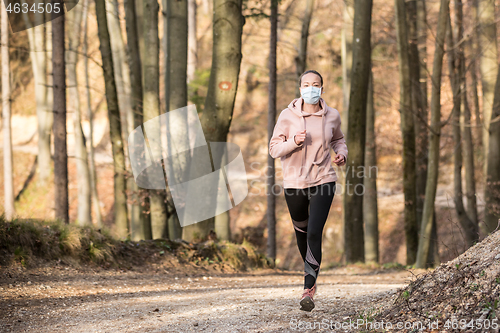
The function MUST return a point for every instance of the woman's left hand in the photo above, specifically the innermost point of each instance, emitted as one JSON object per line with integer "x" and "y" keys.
{"x": 339, "y": 160}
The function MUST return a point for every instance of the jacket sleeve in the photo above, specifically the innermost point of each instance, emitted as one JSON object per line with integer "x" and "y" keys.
{"x": 338, "y": 143}
{"x": 280, "y": 145}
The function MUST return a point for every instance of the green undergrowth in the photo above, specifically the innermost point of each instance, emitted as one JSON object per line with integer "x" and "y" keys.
{"x": 30, "y": 242}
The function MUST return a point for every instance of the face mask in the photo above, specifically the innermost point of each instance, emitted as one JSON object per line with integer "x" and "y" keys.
{"x": 311, "y": 94}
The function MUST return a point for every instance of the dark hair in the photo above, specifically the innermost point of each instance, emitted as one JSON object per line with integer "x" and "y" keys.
{"x": 310, "y": 71}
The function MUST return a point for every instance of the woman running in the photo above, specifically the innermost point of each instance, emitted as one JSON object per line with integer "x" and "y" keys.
{"x": 302, "y": 138}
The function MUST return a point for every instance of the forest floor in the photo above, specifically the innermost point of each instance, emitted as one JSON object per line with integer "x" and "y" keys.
{"x": 63, "y": 298}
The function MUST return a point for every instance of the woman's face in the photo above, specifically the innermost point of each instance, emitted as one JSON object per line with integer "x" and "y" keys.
{"x": 311, "y": 79}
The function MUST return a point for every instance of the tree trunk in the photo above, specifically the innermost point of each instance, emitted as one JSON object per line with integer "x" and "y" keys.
{"x": 177, "y": 58}
{"x": 151, "y": 93}
{"x": 140, "y": 223}
{"x": 474, "y": 54}
{"x": 91, "y": 155}
{"x": 222, "y": 86}
{"x": 115, "y": 131}
{"x": 122, "y": 75}
{"x": 408, "y": 133}
{"x": 346, "y": 45}
{"x": 488, "y": 65}
{"x": 192, "y": 41}
{"x": 435, "y": 133}
{"x": 38, "y": 56}
{"x": 271, "y": 120}
{"x": 356, "y": 133}
{"x": 8, "y": 178}
{"x": 49, "y": 111}
{"x": 492, "y": 192}
{"x": 370, "y": 208}
{"x": 82, "y": 166}
{"x": 456, "y": 74}
{"x": 468, "y": 219}
{"x": 416, "y": 26}
{"x": 301, "y": 58}
{"x": 60, "y": 145}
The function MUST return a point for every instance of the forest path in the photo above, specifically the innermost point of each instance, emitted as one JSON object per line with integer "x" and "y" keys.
{"x": 64, "y": 299}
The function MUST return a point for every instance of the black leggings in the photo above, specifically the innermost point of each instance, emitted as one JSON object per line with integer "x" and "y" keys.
{"x": 309, "y": 208}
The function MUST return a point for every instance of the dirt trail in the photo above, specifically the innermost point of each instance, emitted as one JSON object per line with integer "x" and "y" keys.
{"x": 64, "y": 299}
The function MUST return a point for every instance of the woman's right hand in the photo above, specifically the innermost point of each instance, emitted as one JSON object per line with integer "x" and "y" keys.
{"x": 300, "y": 137}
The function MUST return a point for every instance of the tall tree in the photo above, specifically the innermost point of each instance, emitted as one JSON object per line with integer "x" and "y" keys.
{"x": 60, "y": 144}
{"x": 223, "y": 84}
{"x": 346, "y": 45}
{"x": 370, "y": 208}
{"x": 356, "y": 132}
{"x": 90, "y": 116}
{"x": 455, "y": 70}
{"x": 115, "y": 131}
{"x": 177, "y": 94}
{"x": 465, "y": 124}
{"x": 192, "y": 40}
{"x": 6, "y": 123}
{"x": 271, "y": 120}
{"x": 140, "y": 223}
{"x": 38, "y": 56}
{"x": 121, "y": 69}
{"x": 488, "y": 64}
{"x": 408, "y": 133}
{"x": 435, "y": 133}
{"x": 474, "y": 57}
{"x": 418, "y": 22}
{"x": 151, "y": 100}
{"x": 301, "y": 58}
{"x": 492, "y": 191}
{"x": 74, "y": 23}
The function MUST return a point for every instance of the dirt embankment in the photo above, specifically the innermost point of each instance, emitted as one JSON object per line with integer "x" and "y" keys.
{"x": 462, "y": 295}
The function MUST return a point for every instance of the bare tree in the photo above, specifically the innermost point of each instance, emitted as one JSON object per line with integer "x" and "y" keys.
{"x": 74, "y": 23}
{"x": 219, "y": 104}
{"x": 474, "y": 56}
{"x": 465, "y": 125}
{"x": 151, "y": 100}
{"x": 301, "y": 58}
{"x": 38, "y": 56}
{"x": 488, "y": 66}
{"x": 356, "y": 132}
{"x": 271, "y": 120}
{"x": 408, "y": 133}
{"x": 457, "y": 79}
{"x": 60, "y": 144}
{"x": 176, "y": 93}
{"x": 90, "y": 116}
{"x": 192, "y": 40}
{"x": 121, "y": 69}
{"x": 140, "y": 223}
{"x": 8, "y": 178}
{"x": 347, "y": 30}
{"x": 492, "y": 195}
{"x": 370, "y": 208}
{"x": 435, "y": 132}
{"x": 115, "y": 131}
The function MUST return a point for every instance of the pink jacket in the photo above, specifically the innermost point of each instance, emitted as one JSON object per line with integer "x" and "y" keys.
{"x": 309, "y": 163}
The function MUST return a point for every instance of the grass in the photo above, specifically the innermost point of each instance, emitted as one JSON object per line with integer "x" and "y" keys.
{"x": 24, "y": 242}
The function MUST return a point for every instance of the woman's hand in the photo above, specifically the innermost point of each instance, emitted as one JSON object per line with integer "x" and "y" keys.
{"x": 339, "y": 160}
{"x": 300, "y": 137}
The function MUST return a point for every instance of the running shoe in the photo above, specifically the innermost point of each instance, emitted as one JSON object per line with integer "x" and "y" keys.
{"x": 307, "y": 302}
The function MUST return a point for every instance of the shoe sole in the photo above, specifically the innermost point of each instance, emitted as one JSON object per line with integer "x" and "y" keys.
{"x": 306, "y": 304}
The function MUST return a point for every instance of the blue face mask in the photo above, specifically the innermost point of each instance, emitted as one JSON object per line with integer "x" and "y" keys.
{"x": 311, "y": 94}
